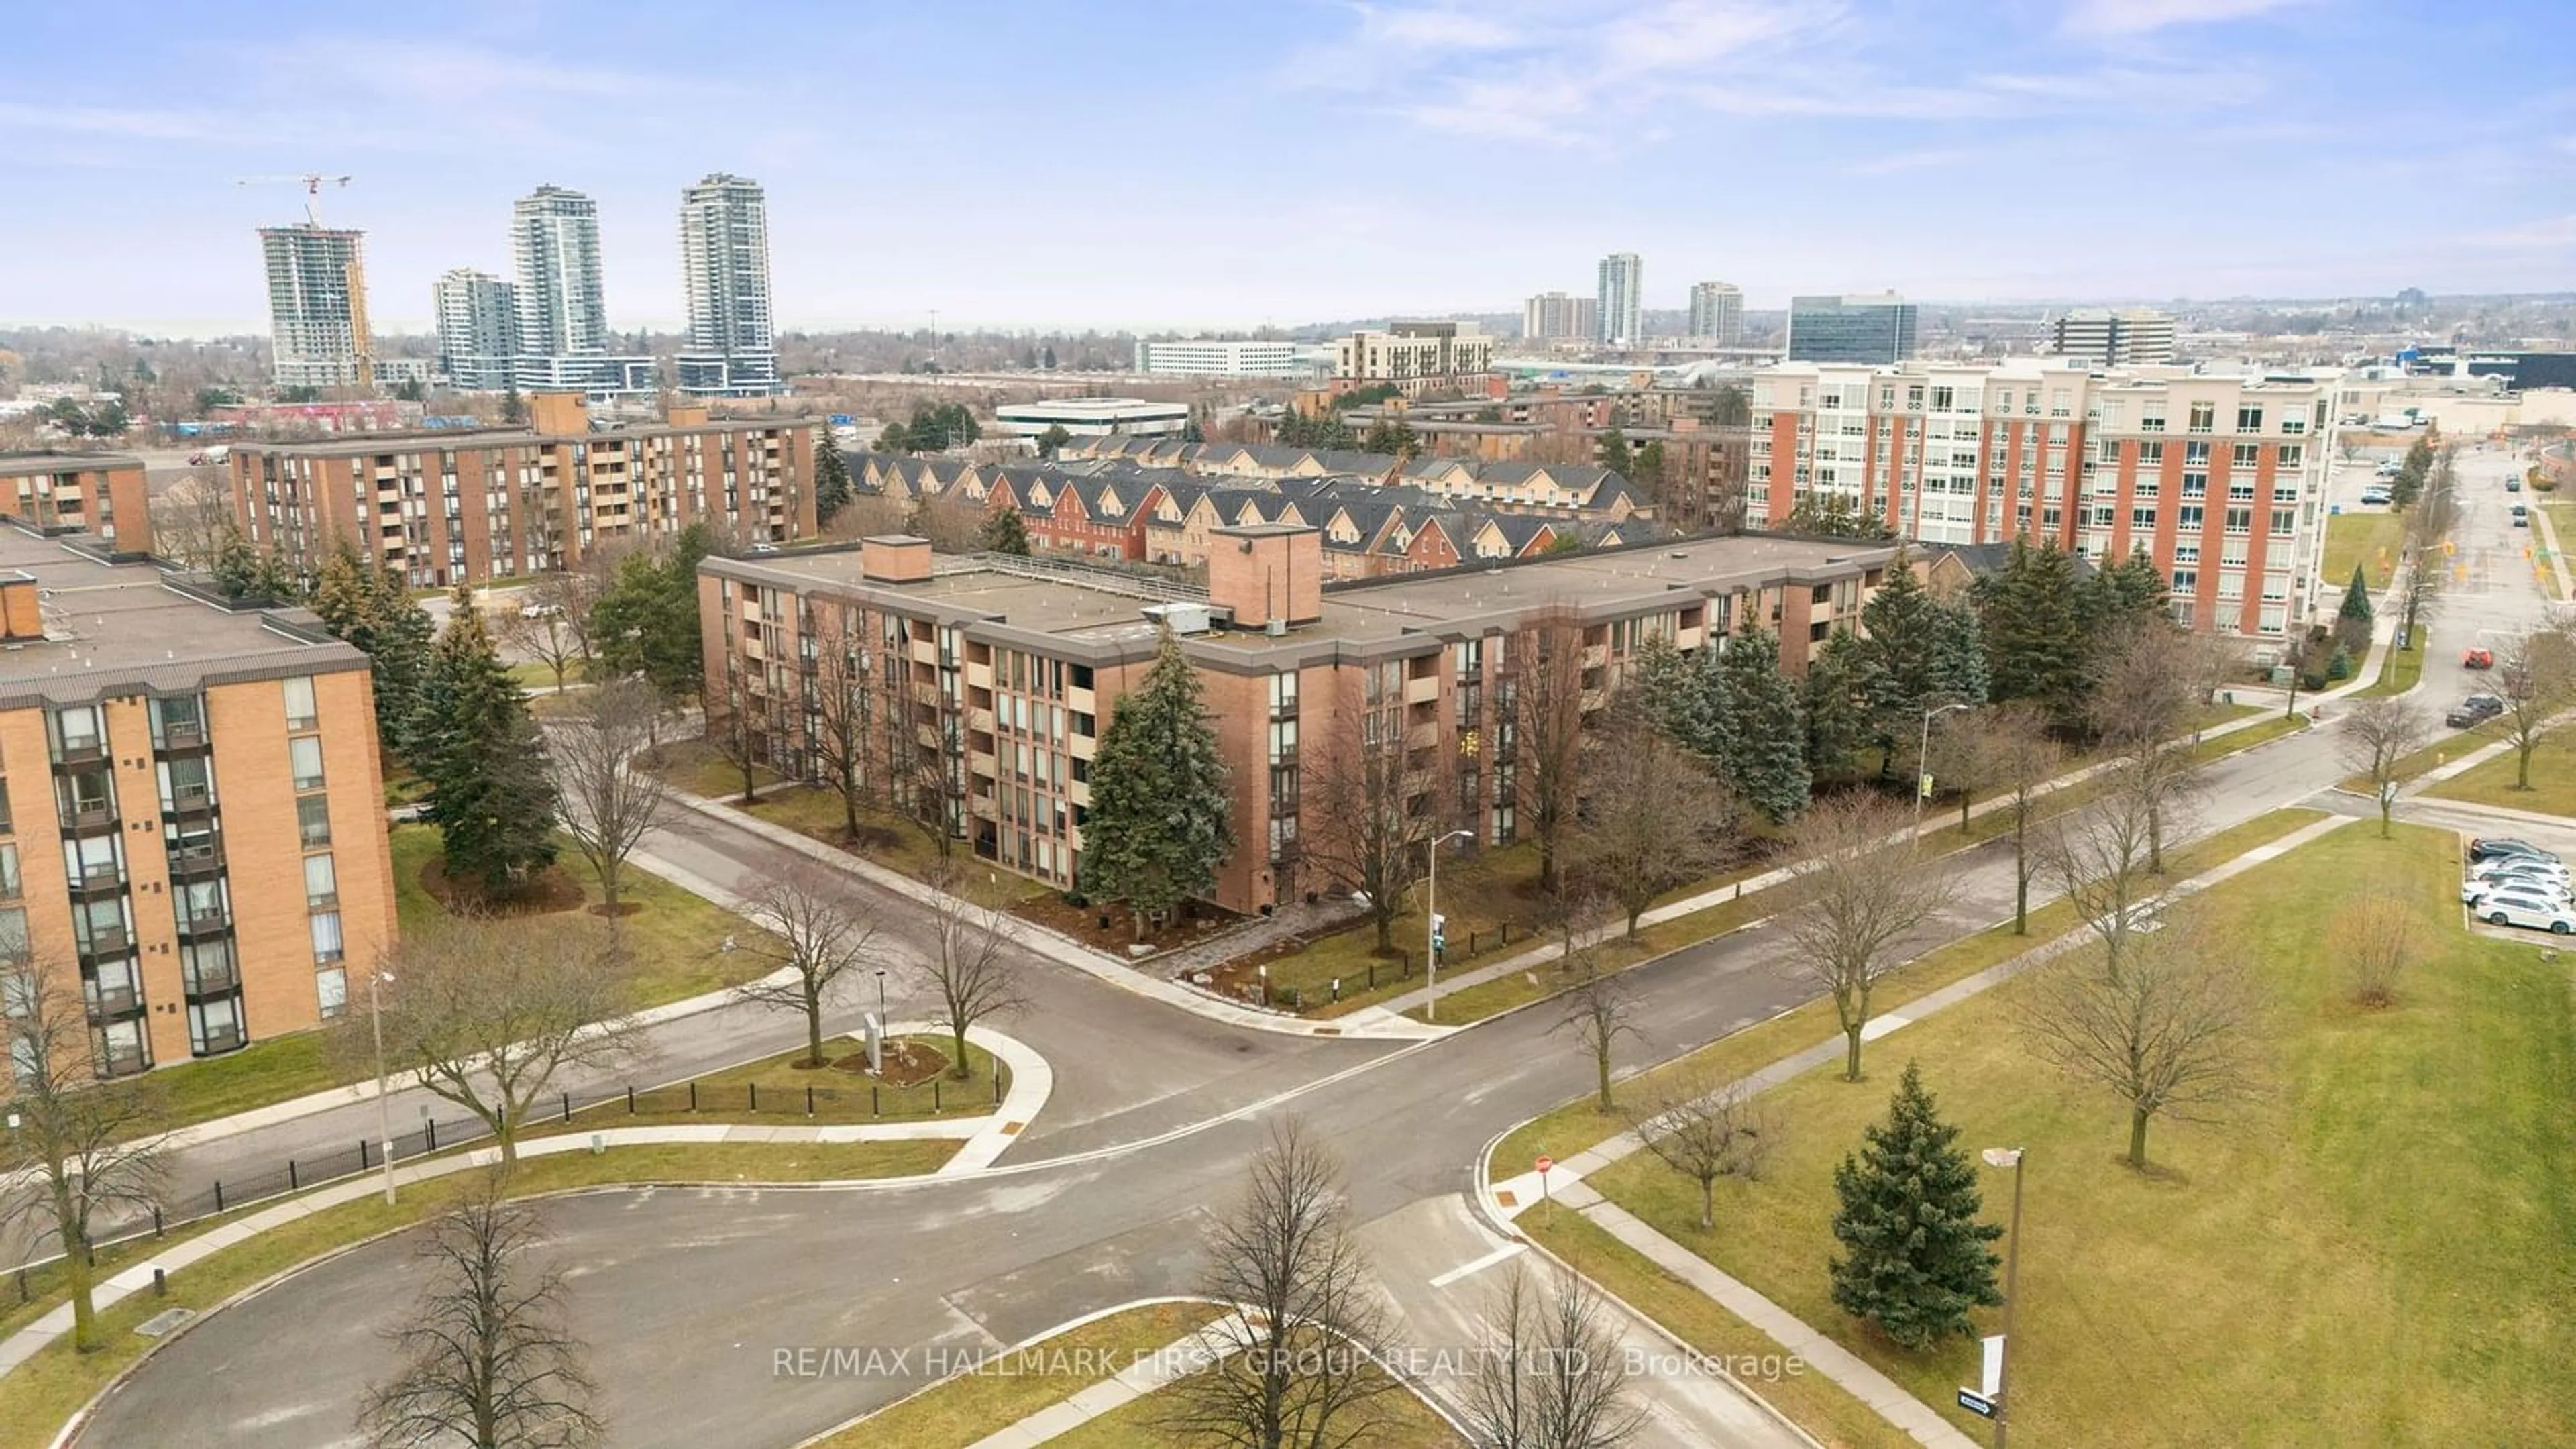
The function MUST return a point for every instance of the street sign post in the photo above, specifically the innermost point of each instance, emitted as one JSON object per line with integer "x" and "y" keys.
{"x": 1976, "y": 1403}
{"x": 1543, "y": 1164}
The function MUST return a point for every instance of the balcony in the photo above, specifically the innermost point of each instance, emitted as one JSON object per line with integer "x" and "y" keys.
{"x": 214, "y": 980}
{"x": 1422, "y": 689}
{"x": 189, "y": 801}
{"x": 217, "y": 1042}
{"x": 99, "y": 878}
{"x": 196, "y": 861}
{"x": 183, "y": 736}
{"x": 111, "y": 1003}
{"x": 81, "y": 752}
{"x": 112, "y": 941}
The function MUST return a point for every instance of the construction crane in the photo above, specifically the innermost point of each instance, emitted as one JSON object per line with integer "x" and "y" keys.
{"x": 311, "y": 181}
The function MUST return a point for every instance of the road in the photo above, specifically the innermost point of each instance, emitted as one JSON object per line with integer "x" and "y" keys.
{"x": 687, "y": 1296}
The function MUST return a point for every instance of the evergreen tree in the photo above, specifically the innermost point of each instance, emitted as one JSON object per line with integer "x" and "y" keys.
{"x": 2356, "y": 598}
{"x": 1613, "y": 453}
{"x": 1915, "y": 1259}
{"x": 1192, "y": 432}
{"x": 1052, "y": 441}
{"x": 1648, "y": 472}
{"x": 401, "y": 634}
{"x": 1961, "y": 664}
{"x": 1684, "y": 695}
{"x": 646, "y": 620}
{"x": 1765, "y": 759}
{"x": 490, "y": 791}
{"x": 344, "y": 598}
{"x": 1003, "y": 531}
{"x": 1838, "y": 706}
{"x": 1159, "y": 801}
{"x": 2121, "y": 595}
{"x": 2032, "y": 627}
{"x": 832, "y": 486}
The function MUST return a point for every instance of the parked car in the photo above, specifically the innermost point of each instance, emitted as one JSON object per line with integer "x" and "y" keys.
{"x": 2521, "y": 517}
{"x": 2375, "y": 497}
{"x": 2542, "y": 879}
{"x": 2530, "y": 865}
{"x": 2474, "y": 710}
{"x": 2488, "y": 847}
{"x": 411, "y": 814}
{"x": 2530, "y": 912}
{"x": 2477, "y": 892}
{"x": 2477, "y": 659}
{"x": 2389, "y": 469}
{"x": 2512, "y": 485}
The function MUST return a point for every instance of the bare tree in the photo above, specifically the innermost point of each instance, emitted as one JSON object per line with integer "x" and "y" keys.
{"x": 84, "y": 1149}
{"x": 1363, "y": 820}
{"x": 2376, "y": 934}
{"x": 1286, "y": 1257}
{"x": 2212, "y": 660}
{"x": 1550, "y": 1371}
{"x": 2027, "y": 757}
{"x": 845, "y": 722}
{"x": 969, "y": 967}
{"x": 487, "y": 1013}
{"x": 569, "y": 594}
{"x": 2536, "y": 678}
{"x": 193, "y": 519}
{"x": 1705, "y": 1129}
{"x": 733, "y": 732}
{"x": 868, "y": 515}
{"x": 1599, "y": 1009}
{"x": 2173, "y": 1028}
{"x": 2142, "y": 703}
{"x": 1968, "y": 756}
{"x": 1541, "y": 696}
{"x": 543, "y": 631}
{"x": 2099, "y": 856}
{"x": 1652, "y": 818}
{"x": 488, "y": 1357}
{"x": 2378, "y": 733}
{"x": 823, "y": 931}
{"x": 610, "y": 800}
{"x": 1860, "y": 887}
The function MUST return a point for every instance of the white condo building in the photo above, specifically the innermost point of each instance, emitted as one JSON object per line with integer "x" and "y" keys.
{"x": 724, "y": 267}
{"x": 564, "y": 339}
{"x": 1199, "y": 358}
{"x": 478, "y": 329}
{"x": 1622, "y": 297}
{"x": 317, "y": 306}
{"x": 1717, "y": 313}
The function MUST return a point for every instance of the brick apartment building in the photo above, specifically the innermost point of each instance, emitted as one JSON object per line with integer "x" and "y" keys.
{"x": 472, "y": 506}
{"x": 191, "y": 806}
{"x": 2221, "y": 479}
{"x": 101, "y": 494}
{"x": 998, "y": 675}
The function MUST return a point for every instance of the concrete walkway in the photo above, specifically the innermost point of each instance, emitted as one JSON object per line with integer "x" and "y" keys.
{"x": 984, "y": 1138}
{"x": 1167, "y": 1365}
{"x": 1508, "y": 1198}
{"x": 2548, "y": 533}
{"x": 1374, "y": 1023}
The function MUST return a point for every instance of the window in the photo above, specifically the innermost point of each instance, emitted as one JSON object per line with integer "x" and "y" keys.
{"x": 2249, "y": 419}
{"x": 2291, "y": 455}
{"x": 2285, "y": 522}
{"x": 2240, "y": 520}
{"x": 8, "y": 872}
{"x": 313, "y": 819}
{"x": 321, "y": 882}
{"x": 77, "y": 729}
{"x": 300, "y": 711}
{"x": 2246, "y": 455}
{"x": 2143, "y": 518}
{"x": 2151, "y": 418}
{"x": 179, "y": 722}
{"x": 2204, "y": 417}
{"x": 304, "y": 754}
{"x": 331, "y": 990}
{"x": 327, "y": 946}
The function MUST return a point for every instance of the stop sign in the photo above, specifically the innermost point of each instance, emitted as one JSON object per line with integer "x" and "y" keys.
{"x": 1544, "y": 1163}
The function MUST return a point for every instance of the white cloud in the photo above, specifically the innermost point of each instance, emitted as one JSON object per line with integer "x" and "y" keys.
{"x": 1438, "y": 28}
{"x": 2140, "y": 17}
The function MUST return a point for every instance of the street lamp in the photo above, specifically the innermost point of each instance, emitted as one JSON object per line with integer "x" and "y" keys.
{"x": 384, "y": 1102}
{"x": 1431, "y": 927}
{"x": 881, "y": 999}
{"x": 1923, "y": 760}
{"x": 2007, "y": 1157}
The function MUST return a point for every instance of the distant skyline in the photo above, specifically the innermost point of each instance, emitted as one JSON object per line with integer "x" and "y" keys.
{"x": 1162, "y": 164}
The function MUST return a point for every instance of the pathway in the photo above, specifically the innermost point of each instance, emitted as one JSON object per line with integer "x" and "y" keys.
{"x": 984, "y": 1138}
{"x": 1507, "y": 1199}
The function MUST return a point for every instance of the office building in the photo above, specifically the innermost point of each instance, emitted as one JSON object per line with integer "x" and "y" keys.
{"x": 100, "y": 494}
{"x": 1002, "y": 673}
{"x": 2220, "y": 479}
{"x": 1415, "y": 357}
{"x": 317, "y": 306}
{"x": 192, "y": 821}
{"x": 1556, "y": 317}
{"x": 2133, "y": 337}
{"x": 564, "y": 339}
{"x": 1876, "y": 329}
{"x": 1202, "y": 358}
{"x": 472, "y": 505}
{"x": 724, "y": 268}
{"x": 478, "y": 329}
{"x": 1091, "y": 417}
{"x": 1621, "y": 297}
{"x": 1717, "y": 313}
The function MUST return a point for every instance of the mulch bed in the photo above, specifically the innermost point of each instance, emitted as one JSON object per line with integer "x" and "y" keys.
{"x": 553, "y": 890}
{"x": 907, "y": 1063}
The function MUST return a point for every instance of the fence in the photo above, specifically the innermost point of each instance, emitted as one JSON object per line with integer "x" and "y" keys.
{"x": 236, "y": 1191}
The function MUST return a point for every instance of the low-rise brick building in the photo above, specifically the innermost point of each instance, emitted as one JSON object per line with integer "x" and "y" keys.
{"x": 101, "y": 494}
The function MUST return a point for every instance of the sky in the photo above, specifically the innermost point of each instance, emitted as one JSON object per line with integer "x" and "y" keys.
{"x": 1232, "y": 163}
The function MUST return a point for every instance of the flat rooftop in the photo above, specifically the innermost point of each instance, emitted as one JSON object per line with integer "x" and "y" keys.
{"x": 1088, "y": 407}
{"x": 119, "y": 629}
{"x": 363, "y": 445}
{"x": 19, "y": 465}
{"x": 1101, "y": 611}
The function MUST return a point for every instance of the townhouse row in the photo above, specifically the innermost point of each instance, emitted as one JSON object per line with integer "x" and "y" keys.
{"x": 986, "y": 682}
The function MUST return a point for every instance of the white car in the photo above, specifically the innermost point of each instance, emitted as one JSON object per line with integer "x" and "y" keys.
{"x": 2530, "y": 912}
{"x": 2475, "y": 890}
{"x": 2540, "y": 870}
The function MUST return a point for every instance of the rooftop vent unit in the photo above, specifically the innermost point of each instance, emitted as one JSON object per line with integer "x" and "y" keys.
{"x": 1181, "y": 619}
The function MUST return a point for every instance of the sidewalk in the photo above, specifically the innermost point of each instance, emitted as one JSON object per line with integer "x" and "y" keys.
{"x": 1373, "y": 1023}
{"x": 1507, "y": 1199}
{"x": 985, "y": 1137}
{"x": 1167, "y": 1365}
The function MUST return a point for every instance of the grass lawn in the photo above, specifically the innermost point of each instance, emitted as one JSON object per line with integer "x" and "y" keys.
{"x": 888, "y": 840}
{"x": 2553, "y": 779}
{"x": 1518, "y": 988}
{"x": 2378, "y": 1254}
{"x": 1578, "y": 1125}
{"x": 839, "y": 1095}
{"x": 278, "y": 1070}
{"x": 49, "y": 1388}
{"x": 676, "y": 939}
{"x": 2448, "y": 745}
{"x": 696, "y": 766}
{"x": 964, "y": 1409}
{"x": 2368, "y": 539}
{"x": 1408, "y": 1423}
{"x": 538, "y": 678}
{"x": 2399, "y": 669}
